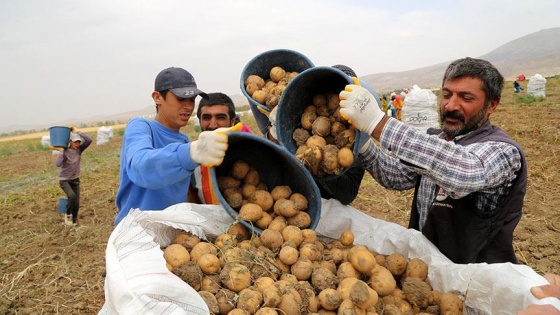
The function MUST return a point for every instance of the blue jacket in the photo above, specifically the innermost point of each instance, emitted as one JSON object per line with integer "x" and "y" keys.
{"x": 156, "y": 167}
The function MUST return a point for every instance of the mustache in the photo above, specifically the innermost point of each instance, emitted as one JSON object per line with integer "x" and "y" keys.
{"x": 453, "y": 114}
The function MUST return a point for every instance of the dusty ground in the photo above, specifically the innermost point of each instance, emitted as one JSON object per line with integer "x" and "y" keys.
{"x": 47, "y": 268}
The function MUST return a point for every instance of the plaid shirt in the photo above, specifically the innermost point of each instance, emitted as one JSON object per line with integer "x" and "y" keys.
{"x": 485, "y": 169}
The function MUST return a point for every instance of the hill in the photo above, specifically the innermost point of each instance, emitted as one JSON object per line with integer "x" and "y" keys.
{"x": 538, "y": 52}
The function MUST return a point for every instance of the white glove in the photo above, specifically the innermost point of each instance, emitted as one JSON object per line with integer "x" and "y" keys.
{"x": 272, "y": 121}
{"x": 211, "y": 146}
{"x": 359, "y": 107}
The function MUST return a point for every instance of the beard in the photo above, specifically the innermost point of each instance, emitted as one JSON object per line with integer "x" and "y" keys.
{"x": 465, "y": 128}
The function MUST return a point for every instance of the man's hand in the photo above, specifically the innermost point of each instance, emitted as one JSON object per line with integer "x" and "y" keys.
{"x": 359, "y": 107}
{"x": 73, "y": 129}
{"x": 211, "y": 146}
{"x": 544, "y": 291}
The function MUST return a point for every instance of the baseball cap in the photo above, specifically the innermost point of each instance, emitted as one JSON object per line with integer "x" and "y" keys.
{"x": 346, "y": 70}
{"x": 75, "y": 137}
{"x": 179, "y": 81}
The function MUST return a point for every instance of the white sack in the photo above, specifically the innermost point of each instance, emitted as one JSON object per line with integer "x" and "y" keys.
{"x": 104, "y": 134}
{"x": 138, "y": 282}
{"x": 536, "y": 85}
{"x": 420, "y": 109}
{"x": 46, "y": 141}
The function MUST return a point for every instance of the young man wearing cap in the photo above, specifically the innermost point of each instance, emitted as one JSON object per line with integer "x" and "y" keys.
{"x": 69, "y": 177}
{"x": 216, "y": 111}
{"x": 157, "y": 159}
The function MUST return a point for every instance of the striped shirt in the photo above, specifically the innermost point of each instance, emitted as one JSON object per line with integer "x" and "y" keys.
{"x": 486, "y": 170}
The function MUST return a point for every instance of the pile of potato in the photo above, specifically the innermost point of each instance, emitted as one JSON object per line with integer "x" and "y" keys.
{"x": 244, "y": 192}
{"x": 287, "y": 270}
{"x": 324, "y": 140}
{"x": 267, "y": 91}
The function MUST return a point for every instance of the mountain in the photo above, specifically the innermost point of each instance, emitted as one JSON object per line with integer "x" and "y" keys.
{"x": 538, "y": 52}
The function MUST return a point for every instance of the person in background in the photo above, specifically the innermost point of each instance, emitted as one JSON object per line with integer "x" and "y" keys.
{"x": 384, "y": 103}
{"x": 549, "y": 290}
{"x": 398, "y": 104}
{"x": 518, "y": 88}
{"x": 470, "y": 177}
{"x": 391, "y": 108}
{"x": 238, "y": 120}
{"x": 157, "y": 159}
{"x": 216, "y": 111}
{"x": 69, "y": 161}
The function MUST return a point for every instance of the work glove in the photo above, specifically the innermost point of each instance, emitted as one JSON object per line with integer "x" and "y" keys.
{"x": 211, "y": 146}
{"x": 73, "y": 129}
{"x": 359, "y": 107}
{"x": 272, "y": 123}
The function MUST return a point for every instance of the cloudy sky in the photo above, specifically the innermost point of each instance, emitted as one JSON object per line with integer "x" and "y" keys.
{"x": 62, "y": 59}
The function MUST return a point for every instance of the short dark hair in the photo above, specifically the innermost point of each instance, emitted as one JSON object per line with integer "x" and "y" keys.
{"x": 217, "y": 98}
{"x": 492, "y": 80}
{"x": 346, "y": 70}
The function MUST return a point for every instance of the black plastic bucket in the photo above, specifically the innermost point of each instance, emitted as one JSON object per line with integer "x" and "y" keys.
{"x": 299, "y": 94}
{"x": 275, "y": 165}
{"x": 261, "y": 65}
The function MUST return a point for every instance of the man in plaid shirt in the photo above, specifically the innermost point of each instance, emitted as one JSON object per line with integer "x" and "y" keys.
{"x": 469, "y": 177}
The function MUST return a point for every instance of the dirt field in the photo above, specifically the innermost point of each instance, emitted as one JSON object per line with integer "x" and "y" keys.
{"x": 48, "y": 268}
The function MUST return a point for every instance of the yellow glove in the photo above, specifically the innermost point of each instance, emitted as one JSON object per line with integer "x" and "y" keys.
{"x": 211, "y": 146}
{"x": 72, "y": 128}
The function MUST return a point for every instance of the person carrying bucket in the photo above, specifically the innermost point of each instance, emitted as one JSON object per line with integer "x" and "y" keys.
{"x": 69, "y": 161}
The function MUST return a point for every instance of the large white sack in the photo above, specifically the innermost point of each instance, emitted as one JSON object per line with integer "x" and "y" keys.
{"x": 104, "y": 134}
{"x": 536, "y": 85}
{"x": 138, "y": 282}
{"x": 420, "y": 109}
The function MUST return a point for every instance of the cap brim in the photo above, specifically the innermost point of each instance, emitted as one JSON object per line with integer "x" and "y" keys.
{"x": 188, "y": 92}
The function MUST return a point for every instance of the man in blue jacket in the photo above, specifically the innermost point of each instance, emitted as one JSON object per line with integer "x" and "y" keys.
{"x": 157, "y": 159}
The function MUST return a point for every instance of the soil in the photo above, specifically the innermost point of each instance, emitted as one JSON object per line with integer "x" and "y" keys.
{"x": 49, "y": 268}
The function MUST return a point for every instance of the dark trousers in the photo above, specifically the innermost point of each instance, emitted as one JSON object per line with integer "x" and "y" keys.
{"x": 72, "y": 190}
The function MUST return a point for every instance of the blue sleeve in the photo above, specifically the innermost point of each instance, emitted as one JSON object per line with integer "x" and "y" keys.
{"x": 150, "y": 162}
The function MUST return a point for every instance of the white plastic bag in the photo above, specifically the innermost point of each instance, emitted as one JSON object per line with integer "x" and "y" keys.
{"x": 138, "y": 282}
{"x": 420, "y": 109}
{"x": 536, "y": 85}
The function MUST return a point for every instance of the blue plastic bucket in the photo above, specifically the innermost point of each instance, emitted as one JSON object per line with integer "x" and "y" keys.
{"x": 275, "y": 165}
{"x": 261, "y": 65}
{"x": 59, "y": 136}
{"x": 62, "y": 201}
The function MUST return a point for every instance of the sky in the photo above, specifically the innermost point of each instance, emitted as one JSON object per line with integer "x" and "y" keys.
{"x": 68, "y": 59}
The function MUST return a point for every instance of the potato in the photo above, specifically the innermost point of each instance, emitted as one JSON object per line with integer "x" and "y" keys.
{"x": 329, "y": 163}
{"x": 345, "y": 139}
{"x": 211, "y": 283}
{"x": 300, "y": 201}
{"x": 417, "y": 292}
{"x": 347, "y": 307}
{"x": 292, "y": 233}
{"x": 417, "y": 268}
{"x": 396, "y": 264}
{"x": 362, "y": 259}
{"x": 302, "y": 268}
{"x": 190, "y": 273}
{"x": 336, "y": 128}
{"x": 282, "y": 191}
{"x": 382, "y": 281}
{"x": 253, "y": 78}
{"x": 264, "y": 221}
{"x": 235, "y": 276}
{"x": 210, "y": 301}
{"x": 266, "y": 311}
{"x": 209, "y": 264}
{"x": 301, "y": 219}
{"x": 309, "y": 236}
{"x": 251, "y": 212}
{"x": 450, "y": 304}
{"x": 176, "y": 255}
{"x": 233, "y": 197}
{"x": 250, "y": 299}
{"x": 271, "y": 239}
{"x": 333, "y": 101}
{"x": 291, "y": 302}
{"x": 278, "y": 224}
{"x": 345, "y": 157}
{"x": 310, "y": 251}
{"x": 347, "y": 238}
{"x": 321, "y": 126}
{"x": 288, "y": 255}
{"x": 323, "y": 278}
{"x": 285, "y": 207}
{"x": 239, "y": 169}
{"x": 300, "y": 136}
{"x": 319, "y": 100}
{"x": 271, "y": 100}
{"x": 262, "y": 198}
{"x": 224, "y": 240}
{"x": 347, "y": 270}
{"x": 240, "y": 232}
{"x": 271, "y": 296}
{"x": 308, "y": 118}
{"x": 262, "y": 283}
{"x": 186, "y": 239}
{"x": 259, "y": 96}
{"x": 252, "y": 177}
{"x": 362, "y": 295}
{"x": 316, "y": 141}
{"x": 238, "y": 311}
{"x": 247, "y": 190}
{"x": 329, "y": 299}
{"x": 202, "y": 248}
{"x": 277, "y": 73}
